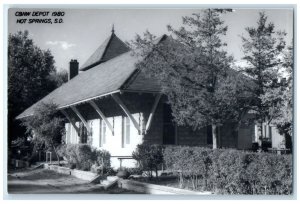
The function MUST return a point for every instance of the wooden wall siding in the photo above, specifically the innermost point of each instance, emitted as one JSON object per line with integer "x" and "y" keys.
{"x": 140, "y": 82}
{"x": 228, "y": 136}
{"x": 187, "y": 136}
{"x": 140, "y": 105}
{"x": 246, "y": 136}
{"x": 155, "y": 133}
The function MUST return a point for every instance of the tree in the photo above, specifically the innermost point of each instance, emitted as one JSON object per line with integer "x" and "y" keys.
{"x": 29, "y": 69}
{"x": 195, "y": 71}
{"x": 263, "y": 49}
{"x": 59, "y": 78}
{"x": 46, "y": 126}
{"x": 279, "y": 99}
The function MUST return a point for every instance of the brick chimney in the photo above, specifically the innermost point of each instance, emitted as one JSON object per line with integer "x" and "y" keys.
{"x": 73, "y": 69}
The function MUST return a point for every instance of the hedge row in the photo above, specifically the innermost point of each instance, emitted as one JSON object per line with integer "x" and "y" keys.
{"x": 227, "y": 171}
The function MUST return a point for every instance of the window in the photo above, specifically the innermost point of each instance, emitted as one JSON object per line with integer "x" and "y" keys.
{"x": 100, "y": 134}
{"x": 125, "y": 131}
{"x": 102, "y": 131}
{"x": 68, "y": 133}
{"x": 127, "y": 127}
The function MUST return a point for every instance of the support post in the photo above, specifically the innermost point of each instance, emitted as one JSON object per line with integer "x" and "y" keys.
{"x": 122, "y": 105}
{"x": 150, "y": 118}
{"x": 94, "y": 105}
{"x": 81, "y": 118}
{"x": 71, "y": 120}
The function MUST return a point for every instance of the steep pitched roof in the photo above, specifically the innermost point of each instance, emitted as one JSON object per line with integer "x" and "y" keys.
{"x": 104, "y": 78}
{"x": 113, "y": 74}
{"x": 109, "y": 49}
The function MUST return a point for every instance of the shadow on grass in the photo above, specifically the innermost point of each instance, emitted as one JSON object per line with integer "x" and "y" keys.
{"x": 66, "y": 189}
{"x": 42, "y": 181}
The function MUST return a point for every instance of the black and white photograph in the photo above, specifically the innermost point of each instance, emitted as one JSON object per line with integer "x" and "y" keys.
{"x": 192, "y": 101}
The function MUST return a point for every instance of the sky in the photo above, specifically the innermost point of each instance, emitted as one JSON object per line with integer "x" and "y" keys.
{"x": 83, "y": 30}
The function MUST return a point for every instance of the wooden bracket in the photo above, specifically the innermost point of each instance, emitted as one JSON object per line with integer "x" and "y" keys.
{"x": 73, "y": 123}
{"x": 81, "y": 118}
{"x": 150, "y": 118}
{"x": 125, "y": 109}
{"x": 94, "y": 105}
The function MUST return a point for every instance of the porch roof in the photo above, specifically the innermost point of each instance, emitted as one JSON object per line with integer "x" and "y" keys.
{"x": 103, "y": 79}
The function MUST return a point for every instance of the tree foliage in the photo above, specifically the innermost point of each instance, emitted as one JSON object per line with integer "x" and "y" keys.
{"x": 279, "y": 99}
{"x": 46, "y": 126}
{"x": 29, "y": 77}
{"x": 264, "y": 52}
{"x": 194, "y": 70}
{"x": 59, "y": 77}
{"x": 149, "y": 157}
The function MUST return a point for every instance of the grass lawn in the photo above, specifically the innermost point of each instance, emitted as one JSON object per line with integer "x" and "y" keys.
{"x": 42, "y": 181}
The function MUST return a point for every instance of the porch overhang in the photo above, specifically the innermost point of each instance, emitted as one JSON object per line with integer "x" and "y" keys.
{"x": 118, "y": 100}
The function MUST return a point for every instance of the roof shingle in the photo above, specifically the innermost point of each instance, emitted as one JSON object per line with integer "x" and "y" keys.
{"x": 109, "y": 49}
{"x": 102, "y": 79}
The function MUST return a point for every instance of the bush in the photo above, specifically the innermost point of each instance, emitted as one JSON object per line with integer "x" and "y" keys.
{"x": 102, "y": 158}
{"x": 132, "y": 171}
{"x": 124, "y": 174}
{"x": 135, "y": 171}
{"x": 270, "y": 174}
{"x": 149, "y": 157}
{"x": 101, "y": 165}
{"x": 192, "y": 163}
{"x": 81, "y": 155}
{"x": 84, "y": 157}
{"x": 228, "y": 171}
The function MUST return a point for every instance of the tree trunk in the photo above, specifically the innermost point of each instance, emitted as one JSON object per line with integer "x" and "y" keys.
{"x": 56, "y": 154}
{"x": 214, "y": 136}
{"x": 260, "y": 138}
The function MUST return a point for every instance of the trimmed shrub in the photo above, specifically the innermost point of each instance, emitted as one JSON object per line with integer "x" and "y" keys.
{"x": 227, "y": 171}
{"x": 135, "y": 171}
{"x": 149, "y": 157}
{"x": 124, "y": 174}
{"x": 132, "y": 171}
{"x": 81, "y": 155}
{"x": 102, "y": 158}
{"x": 192, "y": 163}
{"x": 102, "y": 162}
{"x": 84, "y": 157}
{"x": 269, "y": 174}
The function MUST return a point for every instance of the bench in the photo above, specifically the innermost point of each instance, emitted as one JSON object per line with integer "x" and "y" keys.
{"x": 121, "y": 158}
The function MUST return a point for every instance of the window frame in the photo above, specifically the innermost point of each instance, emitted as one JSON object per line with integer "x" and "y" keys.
{"x": 126, "y": 129}
{"x": 102, "y": 133}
